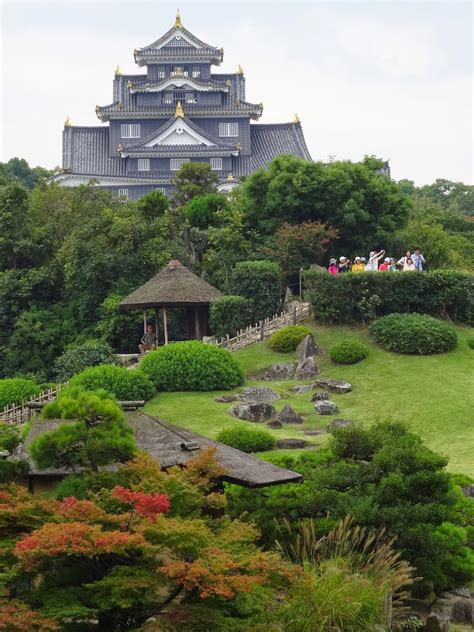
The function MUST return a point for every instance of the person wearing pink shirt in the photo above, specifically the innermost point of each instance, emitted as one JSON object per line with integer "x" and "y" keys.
{"x": 333, "y": 269}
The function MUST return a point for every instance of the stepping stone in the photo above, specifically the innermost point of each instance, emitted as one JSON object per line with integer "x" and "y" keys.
{"x": 338, "y": 423}
{"x": 291, "y": 443}
{"x": 304, "y": 388}
{"x": 306, "y": 369}
{"x": 255, "y": 411}
{"x": 280, "y": 371}
{"x": 307, "y": 348}
{"x": 258, "y": 394}
{"x": 226, "y": 399}
{"x": 275, "y": 424}
{"x": 336, "y": 386}
{"x": 313, "y": 432}
{"x": 320, "y": 397}
{"x": 326, "y": 407}
{"x": 288, "y": 416}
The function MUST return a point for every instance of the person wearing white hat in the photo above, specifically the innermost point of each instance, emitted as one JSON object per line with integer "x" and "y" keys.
{"x": 373, "y": 262}
{"x": 358, "y": 265}
{"x": 343, "y": 264}
{"x": 383, "y": 267}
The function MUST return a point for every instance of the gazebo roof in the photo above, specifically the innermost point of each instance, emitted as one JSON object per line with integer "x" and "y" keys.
{"x": 170, "y": 445}
{"x": 174, "y": 286}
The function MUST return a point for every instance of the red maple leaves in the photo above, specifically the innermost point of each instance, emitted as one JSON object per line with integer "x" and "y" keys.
{"x": 146, "y": 505}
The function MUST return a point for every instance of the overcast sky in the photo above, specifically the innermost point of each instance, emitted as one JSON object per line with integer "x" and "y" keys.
{"x": 386, "y": 78}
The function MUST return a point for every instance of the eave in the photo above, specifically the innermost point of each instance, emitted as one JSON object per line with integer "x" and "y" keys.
{"x": 116, "y": 111}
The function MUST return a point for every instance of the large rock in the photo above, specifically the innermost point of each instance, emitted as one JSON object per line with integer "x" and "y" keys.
{"x": 226, "y": 399}
{"x": 468, "y": 490}
{"x": 280, "y": 371}
{"x": 258, "y": 394}
{"x": 307, "y": 348}
{"x": 437, "y": 622}
{"x": 288, "y": 416}
{"x": 306, "y": 369}
{"x": 291, "y": 443}
{"x": 320, "y": 397}
{"x": 336, "y": 386}
{"x": 273, "y": 423}
{"x": 254, "y": 411}
{"x": 313, "y": 432}
{"x": 338, "y": 423}
{"x": 326, "y": 407}
{"x": 458, "y": 604}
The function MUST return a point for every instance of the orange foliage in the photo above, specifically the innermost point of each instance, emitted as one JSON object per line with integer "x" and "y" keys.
{"x": 16, "y": 617}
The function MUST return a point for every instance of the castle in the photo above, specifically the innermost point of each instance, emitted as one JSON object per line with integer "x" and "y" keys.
{"x": 179, "y": 111}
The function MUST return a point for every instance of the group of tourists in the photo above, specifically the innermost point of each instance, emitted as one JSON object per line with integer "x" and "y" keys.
{"x": 410, "y": 261}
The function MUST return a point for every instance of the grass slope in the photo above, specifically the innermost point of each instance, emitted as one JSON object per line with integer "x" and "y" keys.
{"x": 434, "y": 394}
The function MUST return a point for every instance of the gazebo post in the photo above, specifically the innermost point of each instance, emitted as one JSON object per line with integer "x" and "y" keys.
{"x": 144, "y": 321}
{"x": 197, "y": 324}
{"x": 157, "y": 330}
{"x": 165, "y": 324}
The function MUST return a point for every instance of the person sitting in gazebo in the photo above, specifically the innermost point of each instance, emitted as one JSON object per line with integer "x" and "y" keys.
{"x": 149, "y": 340}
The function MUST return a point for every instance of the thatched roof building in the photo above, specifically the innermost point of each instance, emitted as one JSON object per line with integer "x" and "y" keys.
{"x": 176, "y": 286}
{"x": 168, "y": 445}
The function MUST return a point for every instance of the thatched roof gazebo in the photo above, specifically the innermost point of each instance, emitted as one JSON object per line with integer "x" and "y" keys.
{"x": 175, "y": 286}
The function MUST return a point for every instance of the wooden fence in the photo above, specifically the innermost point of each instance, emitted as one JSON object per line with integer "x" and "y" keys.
{"x": 265, "y": 328}
{"x": 21, "y": 412}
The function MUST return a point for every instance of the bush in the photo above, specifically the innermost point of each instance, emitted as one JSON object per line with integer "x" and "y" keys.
{"x": 347, "y": 298}
{"x": 413, "y": 334}
{"x": 470, "y": 343}
{"x": 124, "y": 384}
{"x": 228, "y": 314}
{"x": 288, "y": 338}
{"x": 15, "y": 390}
{"x": 192, "y": 366}
{"x": 261, "y": 282}
{"x": 247, "y": 439}
{"x": 75, "y": 360}
{"x": 348, "y": 352}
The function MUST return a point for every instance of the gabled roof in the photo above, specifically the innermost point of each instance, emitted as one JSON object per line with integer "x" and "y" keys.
{"x": 207, "y": 138}
{"x": 170, "y": 445}
{"x": 198, "y": 84}
{"x": 174, "y": 286}
{"x": 184, "y": 44}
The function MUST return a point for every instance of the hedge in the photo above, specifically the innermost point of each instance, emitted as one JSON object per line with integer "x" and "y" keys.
{"x": 81, "y": 357}
{"x": 288, "y": 338}
{"x": 16, "y": 389}
{"x": 247, "y": 439}
{"x": 192, "y": 366}
{"x": 261, "y": 282}
{"x": 347, "y": 298}
{"x": 123, "y": 383}
{"x": 228, "y": 314}
{"x": 413, "y": 334}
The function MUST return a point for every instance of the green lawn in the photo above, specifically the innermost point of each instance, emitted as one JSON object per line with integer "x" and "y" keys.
{"x": 434, "y": 394}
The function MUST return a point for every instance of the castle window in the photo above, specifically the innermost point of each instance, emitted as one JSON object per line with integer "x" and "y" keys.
{"x": 168, "y": 97}
{"x": 228, "y": 129}
{"x": 216, "y": 164}
{"x": 161, "y": 190}
{"x": 196, "y": 72}
{"x": 123, "y": 195}
{"x": 128, "y": 130}
{"x": 143, "y": 164}
{"x": 191, "y": 97}
{"x": 177, "y": 163}
{"x": 161, "y": 74}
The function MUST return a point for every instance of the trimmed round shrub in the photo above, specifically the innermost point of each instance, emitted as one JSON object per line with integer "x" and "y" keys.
{"x": 124, "y": 384}
{"x": 192, "y": 366}
{"x": 470, "y": 343}
{"x": 288, "y": 338}
{"x": 413, "y": 334}
{"x": 14, "y": 390}
{"x": 247, "y": 439}
{"x": 348, "y": 352}
{"x": 75, "y": 360}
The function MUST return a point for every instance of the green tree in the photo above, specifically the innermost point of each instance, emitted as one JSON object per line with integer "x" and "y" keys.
{"x": 15, "y": 228}
{"x": 261, "y": 283}
{"x": 152, "y": 205}
{"x": 97, "y": 436}
{"x": 206, "y": 210}
{"x": 194, "y": 179}
{"x": 18, "y": 170}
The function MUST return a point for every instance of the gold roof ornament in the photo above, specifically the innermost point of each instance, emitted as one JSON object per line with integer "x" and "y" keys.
{"x": 296, "y": 119}
{"x": 240, "y": 70}
{"x": 179, "y": 72}
{"x": 177, "y": 21}
{"x": 228, "y": 82}
{"x": 230, "y": 176}
{"x": 97, "y": 108}
{"x": 67, "y": 122}
{"x": 119, "y": 147}
{"x": 129, "y": 84}
{"x": 179, "y": 113}
{"x": 118, "y": 72}
{"x": 239, "y": 146}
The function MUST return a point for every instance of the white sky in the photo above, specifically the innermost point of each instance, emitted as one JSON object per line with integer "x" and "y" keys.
{"x": 392, "y": 79}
